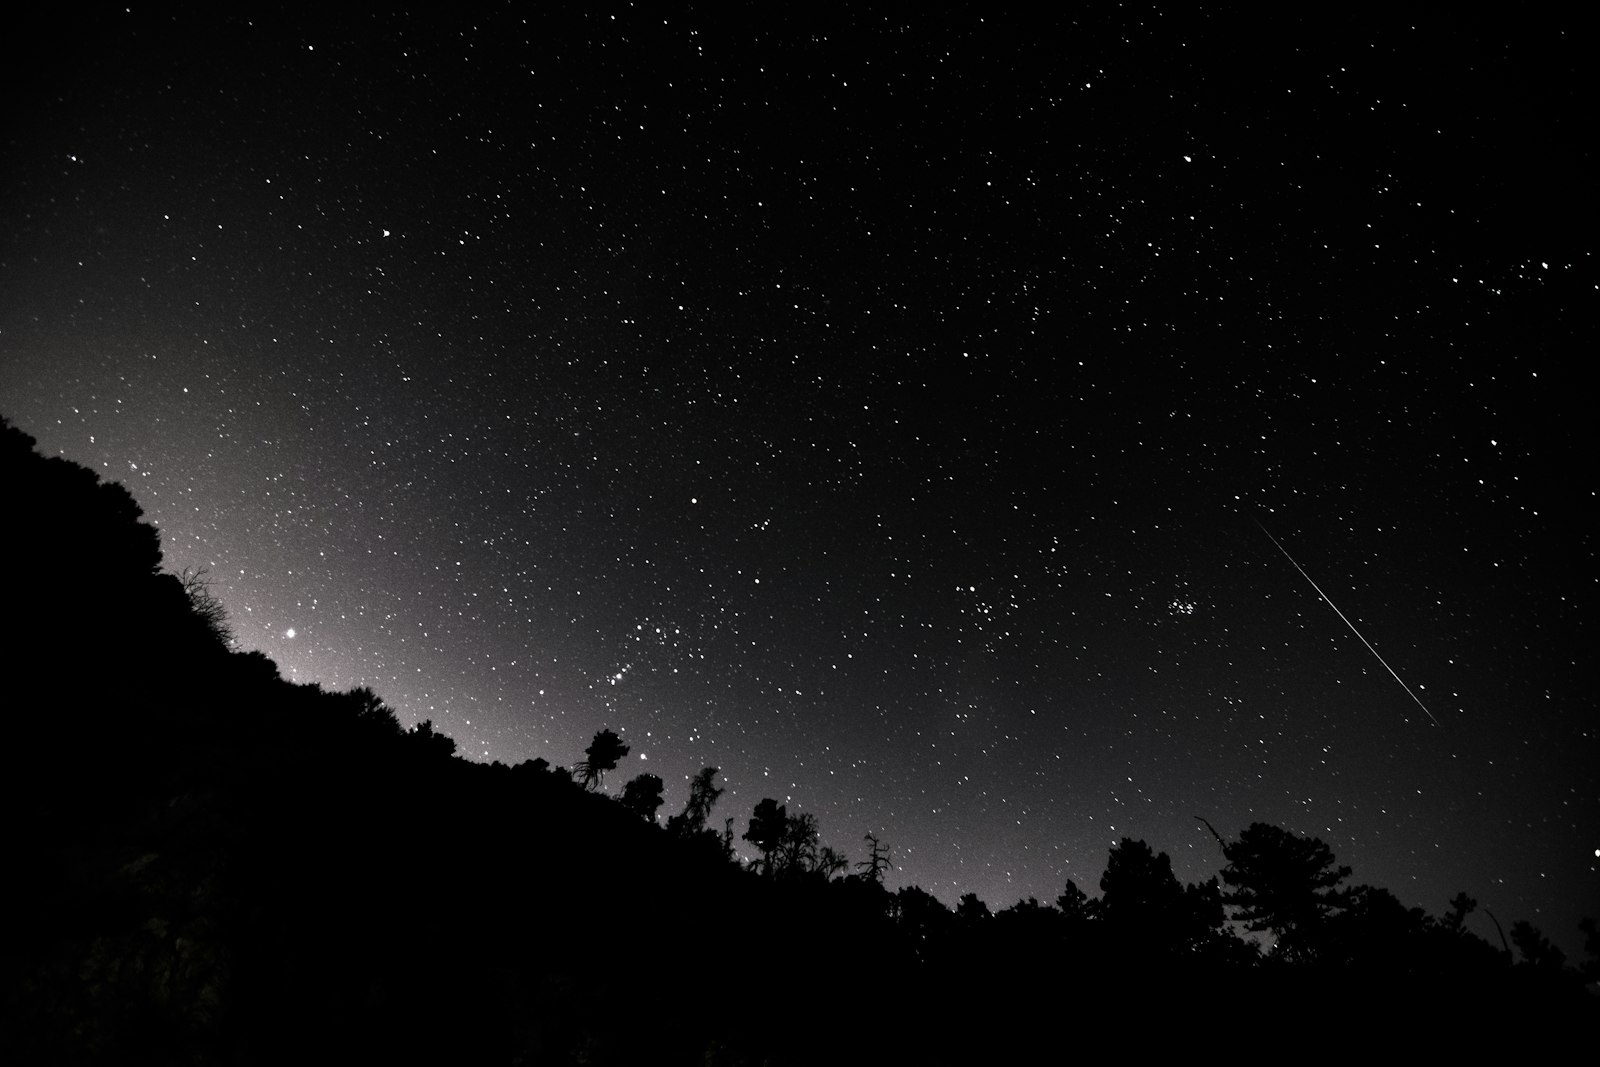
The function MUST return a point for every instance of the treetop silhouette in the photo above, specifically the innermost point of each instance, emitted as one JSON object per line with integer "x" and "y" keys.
{"x": 603, "y": 754}
{"x": 703, "y": 796}
{"x": 1282, "y": 883}
{"x": 642, "y": 796}
{"x": 768, "y": 826}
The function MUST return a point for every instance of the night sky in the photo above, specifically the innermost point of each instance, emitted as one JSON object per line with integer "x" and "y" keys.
{"x": 894, "y": 413}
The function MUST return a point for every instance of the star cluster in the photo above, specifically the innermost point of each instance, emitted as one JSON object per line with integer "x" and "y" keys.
{"x": 879, "y": 409}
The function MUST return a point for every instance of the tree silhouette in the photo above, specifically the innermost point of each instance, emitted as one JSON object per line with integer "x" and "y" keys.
{"x": 431, "y": 741}
{"x": 971, "y": 908}
{"x": 1138, "y": 886}
{"x": 205, "y": 605}
{"x": 642, "y": 796}
{"x": 371, "y": 711}
{"x": 703, "y": 796}
{"x": 1283, "y": 883}
{"x": 1375, "y": 931}
{"x": 790, "y": 845}
{"x": 768, "y": 826}
{"x": 1537, "y": 950}
{"x": 1149, "y": 910}
{"x": 603, "y": 753}
{"x": 1076, "y": 905}
{"x": 798, "y": 850}
{"x": 921, "y": 918}
{"x": 830, "y": 861}
{"x": 1590, "y": 967}
{"x": 1461, "y": 906}
{"x": 877, "y": 861}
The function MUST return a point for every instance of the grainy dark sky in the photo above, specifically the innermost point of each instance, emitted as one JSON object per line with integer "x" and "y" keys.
{"x": 881, "y": 409}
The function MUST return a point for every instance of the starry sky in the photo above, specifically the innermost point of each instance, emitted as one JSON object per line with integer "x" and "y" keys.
{"x": 895, "y": 411}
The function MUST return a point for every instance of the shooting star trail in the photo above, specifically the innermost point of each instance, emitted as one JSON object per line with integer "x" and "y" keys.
{"x": 1350, "y": 624}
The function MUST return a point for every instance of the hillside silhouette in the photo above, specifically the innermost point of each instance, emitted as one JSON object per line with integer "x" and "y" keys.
{"x": 210, "y": 864}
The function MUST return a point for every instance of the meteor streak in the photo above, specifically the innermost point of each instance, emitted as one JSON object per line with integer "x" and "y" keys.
{"x": 1348, "y": 623}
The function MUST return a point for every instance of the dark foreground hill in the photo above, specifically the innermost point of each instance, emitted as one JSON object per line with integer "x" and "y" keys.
{"x": 207, "y": 864}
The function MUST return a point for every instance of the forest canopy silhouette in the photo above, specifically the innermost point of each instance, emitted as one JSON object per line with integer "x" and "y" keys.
{"x": 213, "y": 864}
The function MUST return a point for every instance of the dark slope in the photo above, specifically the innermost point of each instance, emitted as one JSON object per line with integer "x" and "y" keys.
{"x": 210, "y": 864}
